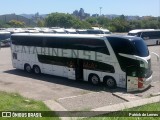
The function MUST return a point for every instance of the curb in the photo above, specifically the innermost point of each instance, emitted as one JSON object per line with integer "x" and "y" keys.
{"x": 106, "y": 109}
{"x": 136, "y": 103}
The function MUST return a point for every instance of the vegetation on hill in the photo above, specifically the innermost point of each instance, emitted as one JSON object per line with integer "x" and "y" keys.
{"x": 118, "y": 24}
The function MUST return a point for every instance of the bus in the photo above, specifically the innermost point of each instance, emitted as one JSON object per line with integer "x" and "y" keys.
{"x": 150, "y": 36}
{"x": 5, "y": 39}
{"x": 116, "y": 61}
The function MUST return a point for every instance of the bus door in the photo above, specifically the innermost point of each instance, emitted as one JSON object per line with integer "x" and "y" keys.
{"x": 79, "y": 69}
{"x": 132, "y": 79}
{"x": 75, "y": 69}
{"x": 71, "y": 70}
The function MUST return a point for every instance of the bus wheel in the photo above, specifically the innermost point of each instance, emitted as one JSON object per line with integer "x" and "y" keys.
{"x": 28, "y": 68}
{"x": 94, "y": 79}
{"x": 157, "y": 43}
{"x": 36, "y": 69}
{"x": 110, "y": 82}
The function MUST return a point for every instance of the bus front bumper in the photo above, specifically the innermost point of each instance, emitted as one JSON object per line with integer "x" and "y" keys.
{"x": 146, "y": 83}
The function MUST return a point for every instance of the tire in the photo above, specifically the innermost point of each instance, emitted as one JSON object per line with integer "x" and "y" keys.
{"x": 28, "y": 68}
{"x": 157, "y": 43}
{"x": 110, "y": 82}
{"x": 36, "y": 69}
{"x": 94, "y": 79}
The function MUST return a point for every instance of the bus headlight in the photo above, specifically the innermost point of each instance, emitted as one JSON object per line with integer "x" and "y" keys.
{"x": 133, "y": 74}
{"x": 142, "y": 64}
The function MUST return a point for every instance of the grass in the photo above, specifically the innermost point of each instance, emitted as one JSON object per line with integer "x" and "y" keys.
{"x": 15, "y": 102}
{"x": 148, "y": 107}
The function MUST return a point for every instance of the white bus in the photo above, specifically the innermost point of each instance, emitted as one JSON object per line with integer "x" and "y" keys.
{"x": 114, "y": 60}
{"x": 150, "y": 36}
{"x": 5, "y": 39}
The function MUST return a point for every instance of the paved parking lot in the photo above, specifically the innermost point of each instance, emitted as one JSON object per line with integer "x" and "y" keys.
{"x": 72, "y": 95}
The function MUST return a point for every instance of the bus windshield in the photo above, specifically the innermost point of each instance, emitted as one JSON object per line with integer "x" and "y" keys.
{"x": 141, "y": 48}
{"x": 4, "y": 36}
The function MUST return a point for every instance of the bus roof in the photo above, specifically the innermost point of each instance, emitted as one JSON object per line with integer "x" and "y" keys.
{"x": 140, "y": 30}
{"x": 60, "y": 35}
{"x": 76, "y": 35}
{"x": 4, "y": 32}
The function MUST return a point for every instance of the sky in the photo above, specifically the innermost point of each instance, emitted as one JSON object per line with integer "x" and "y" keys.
{"x": 119, "y": 7}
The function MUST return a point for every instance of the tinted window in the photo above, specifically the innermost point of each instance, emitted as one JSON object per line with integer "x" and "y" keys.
{"x": 27, "y": 40}
{"x": 98, "y": 66}
{"x": 87, "y": 64}
{"x": 135, "y": 34}
{"x": 151, "y": 35}
{"x": 77, "y": 43}
{"x": 4, "y": 36}
{"x": 121, "y": 45}
{"x": 65, "y": 43}
{"x": 95, "y": 32}
{"x": 53, "y": 60}
{"x": 141, "y": 48}
{"x": 82, "y": 32}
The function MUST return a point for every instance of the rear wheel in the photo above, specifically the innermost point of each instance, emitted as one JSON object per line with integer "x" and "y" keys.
{"x": 94, "y": 79}
{"x": 157, "y": 43}
{"x": 36, "y": 69}
{"x": 28, "y": 68}
{"x": 110, "y": 82}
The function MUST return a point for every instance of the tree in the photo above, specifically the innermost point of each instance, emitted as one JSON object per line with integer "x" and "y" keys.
{"x": 64, "y": 20}
{"x": 15, "y": 23}
{"x": 40, "y": 23}
{"x": 92, "y": 20}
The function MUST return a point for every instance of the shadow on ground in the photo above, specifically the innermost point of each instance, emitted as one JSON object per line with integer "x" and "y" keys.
{"x": 72, "y": 83}
{"x": 61, "y": 81}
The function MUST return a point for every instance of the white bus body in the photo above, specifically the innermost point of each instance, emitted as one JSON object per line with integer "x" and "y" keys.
{"x": 150, "y": 36}
{"x": 84, "y": 57}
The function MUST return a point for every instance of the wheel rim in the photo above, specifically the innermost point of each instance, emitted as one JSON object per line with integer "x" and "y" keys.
{"x": 28, "y": 68}
{"x": 110, "y": 82}
{"x": 36, "y": 70}
{"x": 95, "y": 80}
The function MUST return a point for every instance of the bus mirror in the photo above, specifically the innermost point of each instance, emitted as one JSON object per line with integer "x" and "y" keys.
{"x": 156, "y": 55}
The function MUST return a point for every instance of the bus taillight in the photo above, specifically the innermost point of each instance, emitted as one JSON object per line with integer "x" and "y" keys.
{"x": 140, "y": 82}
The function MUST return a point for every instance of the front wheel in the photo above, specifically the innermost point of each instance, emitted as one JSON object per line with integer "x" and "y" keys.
{"x": 110, "y": 82}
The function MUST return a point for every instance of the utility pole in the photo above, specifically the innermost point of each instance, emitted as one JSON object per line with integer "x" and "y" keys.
{"x": 159, "y": 16}
{"x": 100, "y": 8}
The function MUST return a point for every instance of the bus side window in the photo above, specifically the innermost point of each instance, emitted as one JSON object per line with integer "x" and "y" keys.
{"x": 146, "y": 35}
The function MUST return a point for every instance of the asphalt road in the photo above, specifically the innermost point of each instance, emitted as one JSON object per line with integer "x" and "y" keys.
{"x": 73, "y": 95}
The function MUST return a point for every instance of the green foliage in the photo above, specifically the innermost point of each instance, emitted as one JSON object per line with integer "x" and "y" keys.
{"x": 121, "y": 24}
{"x": 15, "y": 23}
{"x": 118, "y": 24}
{"x": 65, "y": 21}
{"x": 40, "y": 23}
{"x": 15, "y": 102}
